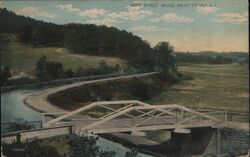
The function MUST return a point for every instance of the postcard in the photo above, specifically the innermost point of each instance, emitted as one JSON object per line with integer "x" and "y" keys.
{"x": 132, "y": 78}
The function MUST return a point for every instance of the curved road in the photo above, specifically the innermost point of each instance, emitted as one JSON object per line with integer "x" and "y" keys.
{"x": 38, "y": 100}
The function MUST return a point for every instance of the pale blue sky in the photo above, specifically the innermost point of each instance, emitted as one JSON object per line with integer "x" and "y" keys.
{"x": 219, "y": 25}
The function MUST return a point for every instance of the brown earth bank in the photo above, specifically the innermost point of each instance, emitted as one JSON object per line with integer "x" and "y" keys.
{"x": 130, "y": 89}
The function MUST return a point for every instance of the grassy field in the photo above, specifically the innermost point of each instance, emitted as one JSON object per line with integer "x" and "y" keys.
{"x": 22, "y": 58}
{"x": 220, "y": 87}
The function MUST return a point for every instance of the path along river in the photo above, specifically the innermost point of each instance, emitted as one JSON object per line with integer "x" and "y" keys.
{"x": 12, "y": 107}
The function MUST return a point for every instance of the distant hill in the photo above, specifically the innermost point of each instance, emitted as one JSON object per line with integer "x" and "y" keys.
{"x": 212, "y": 57}
{"x": 79, "y": 38}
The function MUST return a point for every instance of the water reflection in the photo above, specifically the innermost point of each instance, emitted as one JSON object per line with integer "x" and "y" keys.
{"x": 13, "y": 107}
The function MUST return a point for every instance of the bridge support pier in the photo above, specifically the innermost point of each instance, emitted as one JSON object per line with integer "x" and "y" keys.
{"x": 218, "y": 142}
{"x": 71, "y": 129}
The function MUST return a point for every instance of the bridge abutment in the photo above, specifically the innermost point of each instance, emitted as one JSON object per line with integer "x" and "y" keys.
{"x": 211, "y": 142}
{"x": 227, "y": 142}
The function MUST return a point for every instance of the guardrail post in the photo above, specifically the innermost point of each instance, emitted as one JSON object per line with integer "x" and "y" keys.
{"x": 18, "y": 138}
{"x": 218, "y": 142}
{"x": 182, "y": 113}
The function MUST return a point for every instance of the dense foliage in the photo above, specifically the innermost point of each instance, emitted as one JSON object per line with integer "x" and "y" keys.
{"x": 165, "y": 61}
{"x": 49, "y": 70}
{"x": 84, "y": 146}
{"x": 80, "y": 38}
{"x": 20, "y": 124}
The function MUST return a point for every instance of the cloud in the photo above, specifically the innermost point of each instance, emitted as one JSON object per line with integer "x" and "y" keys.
{"x": 35, "y": 12}
{"x": 93, "y": 13}
{"x": 133, "y": 13}
{"x": 232, "y": 18}
{"x": 172, "y": 17}
{"x": 206, "y": 10}
{"x": 1, "y": 4}
{"x": 105, "y": 21}
{"x": 68, "y": 8}
{"x": 142, "y": 28}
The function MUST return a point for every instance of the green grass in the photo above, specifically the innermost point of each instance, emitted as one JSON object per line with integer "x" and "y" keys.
{"x": 221, "y": 87}
{"x": 22, "y": 58}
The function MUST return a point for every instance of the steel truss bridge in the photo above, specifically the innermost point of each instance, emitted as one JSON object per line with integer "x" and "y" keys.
{"x": 130, "y": 116}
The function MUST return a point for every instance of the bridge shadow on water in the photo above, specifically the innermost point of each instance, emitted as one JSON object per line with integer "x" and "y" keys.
{"x": 179, "y": 145}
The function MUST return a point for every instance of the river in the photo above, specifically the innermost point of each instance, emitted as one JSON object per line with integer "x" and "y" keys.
{"x": 12, "y": 107}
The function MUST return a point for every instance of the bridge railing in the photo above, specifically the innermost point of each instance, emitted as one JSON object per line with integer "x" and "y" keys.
{"x": 7, "y": 126}
{"x": 29, "y": 135}
{"x": 227, "y": 115}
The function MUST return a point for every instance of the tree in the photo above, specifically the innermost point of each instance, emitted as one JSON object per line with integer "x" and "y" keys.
{"x": 80, "y": 72}
{"x": 4, "y": 43}
{"x": 164, "y": 57}
{"x": 5, "y": 75}
{"x": 47, "y": 70}
{"x": 26, "y": 34}
{"x": 54, "y": 70}
{"x": 117, "y": 67}
{"x": 84, "y": 146}
{"x": 41, "y": 67}
{"x": 34, "y": 149}
{"x": 103, "y": 67}
{"x": 69, "y": 73}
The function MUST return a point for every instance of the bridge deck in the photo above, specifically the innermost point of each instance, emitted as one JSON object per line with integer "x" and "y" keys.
{"x": 126, "y": 125}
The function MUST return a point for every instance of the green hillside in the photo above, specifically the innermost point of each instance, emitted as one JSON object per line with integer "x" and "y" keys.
{"x": 23, "y": 57}
{"x": 87, "y": 39}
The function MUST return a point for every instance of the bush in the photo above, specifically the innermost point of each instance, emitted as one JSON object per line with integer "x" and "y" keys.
{"x": 85, "y": 146}
{"x": 133, "y": 153}
{"x": 33, "y": 149}
{"x": 69, "y": 73}
{"x": 102, "y": 69}
{"x": 36, "y": 150}
{"x": 49, "y": 70}
{"x": 20, "y": 124}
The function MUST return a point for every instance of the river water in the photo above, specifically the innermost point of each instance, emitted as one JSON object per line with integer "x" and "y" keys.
{"x": 12, "y": 107}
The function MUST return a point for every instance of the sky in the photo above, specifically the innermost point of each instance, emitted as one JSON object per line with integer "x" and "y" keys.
{"x": 188, "y": 25}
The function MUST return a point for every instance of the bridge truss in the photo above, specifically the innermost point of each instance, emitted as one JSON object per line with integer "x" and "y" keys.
{"x": 130, "y": 116}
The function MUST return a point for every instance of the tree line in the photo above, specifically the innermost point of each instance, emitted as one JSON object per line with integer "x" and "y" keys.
{"x": 89, "y": 39}
{"x": 202, "y": 59}
{"x": 49, "y": 70}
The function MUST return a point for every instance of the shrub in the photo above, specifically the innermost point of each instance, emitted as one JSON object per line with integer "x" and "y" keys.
{"x": 20, "y": 124}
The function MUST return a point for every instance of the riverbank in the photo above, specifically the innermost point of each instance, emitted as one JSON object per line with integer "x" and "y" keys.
{"x": 39, "y": 99}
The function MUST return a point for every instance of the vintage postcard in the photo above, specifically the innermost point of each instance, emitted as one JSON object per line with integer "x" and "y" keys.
{"x": 124, "y": 78}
